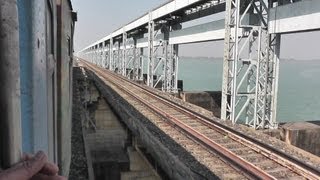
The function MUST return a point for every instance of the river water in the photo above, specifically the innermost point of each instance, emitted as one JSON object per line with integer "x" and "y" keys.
{"x": 299, "y": 85}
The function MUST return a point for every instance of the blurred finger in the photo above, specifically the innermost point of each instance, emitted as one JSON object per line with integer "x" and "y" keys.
{"x": 50, "y": 169}
{"x": 46, "y": 177}
{"x": 27, "y": 169}
{"x": 26, "y": 156}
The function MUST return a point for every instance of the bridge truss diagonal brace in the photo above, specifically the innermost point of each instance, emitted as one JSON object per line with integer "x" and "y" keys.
{"x": 124, "y": 54}
{"x": 162, "y": 59}
{"x": 117, "y": 57}
{"x": 111, "y": 57}
{"x": 151, "y": 35}
{"x": 132, "y": 65}
{"x": 135, "y": 61}
{"x": 106, "y": 61}
{"x": 250, "y": 78}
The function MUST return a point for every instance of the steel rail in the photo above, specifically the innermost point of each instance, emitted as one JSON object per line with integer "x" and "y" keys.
{"x": 268, "y": 151}
{"x": 250, "y": 170}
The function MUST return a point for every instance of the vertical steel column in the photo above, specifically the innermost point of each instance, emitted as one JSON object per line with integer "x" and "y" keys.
{"x": 124, "y": 53}
{"x": 91, "y": 55}
{"x": 111, "y": 63}
{"x": 166, "y": 82}
{"x": 96, "y": 54}
{"x": 274, "y": 53}
{"x": 150, "y": 51}
{"x": 106, "y": 55}
{"x": 115, "y": 56}
{"x": 170, "y": 80}
{"x": 102, "y": 60}
{"x": 231, "y": 21}
{"x": 101, "y": 53}
{"x": 141, "y": 64}
{"x": 166, "y": 59}
{"x": 136, "y": 60}
{"x": 92, "y": 59}
{"x": 175, "y": 68}
{"x": 249, "y": 80}
{"x": 99, "y": 50}
{"x": 119, "y": 58}
{"x": 275, "y": 41}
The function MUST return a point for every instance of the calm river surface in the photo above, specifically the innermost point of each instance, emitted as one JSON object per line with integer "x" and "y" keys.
{"x": 299, "y": 89}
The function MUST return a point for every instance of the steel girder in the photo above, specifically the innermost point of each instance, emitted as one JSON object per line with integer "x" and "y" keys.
{"x": 111, "y": 56}
{"x": 162, "y": 59}
{"x": 105, "y": 57}
{"x": 117, "y": 56}
{"x": 134, "y": 64}
{"x": 100, "y": 56}
{"x": 96, "y": 56}
{"x": 151, "y": 35}
{"x": 170, "y": 67}
{"x": 250, "y": 80}
{"x": 124, "y": 59}
{"x": 139, "y": 65}
{"x": 132, "y": 59}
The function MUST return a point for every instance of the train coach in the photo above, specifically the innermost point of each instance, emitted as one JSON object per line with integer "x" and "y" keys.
{"x": 36, "y": 51}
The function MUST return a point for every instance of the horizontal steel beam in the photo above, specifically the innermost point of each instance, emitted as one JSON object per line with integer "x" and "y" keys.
{"x": 295, "y": 17}
{"x": 211, "y": 31}
{"x": 205, "y": 32}
{"x": 166, "y": 9}
{"x": 290, "y": 18}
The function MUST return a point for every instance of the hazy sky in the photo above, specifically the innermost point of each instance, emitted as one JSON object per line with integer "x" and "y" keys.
{"x": 98, "y": 18}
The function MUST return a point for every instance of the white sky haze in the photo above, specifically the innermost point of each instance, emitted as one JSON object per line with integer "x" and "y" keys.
{"x": 98, "y": 18}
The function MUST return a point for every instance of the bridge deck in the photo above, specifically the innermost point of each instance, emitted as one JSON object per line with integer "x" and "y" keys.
{"x": 225, "y": 152}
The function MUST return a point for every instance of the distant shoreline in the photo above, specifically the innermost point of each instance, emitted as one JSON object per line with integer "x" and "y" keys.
{"x": 220, "y": 58}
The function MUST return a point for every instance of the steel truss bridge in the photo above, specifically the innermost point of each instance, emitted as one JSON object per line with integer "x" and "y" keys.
{"x": 251, "y": 31}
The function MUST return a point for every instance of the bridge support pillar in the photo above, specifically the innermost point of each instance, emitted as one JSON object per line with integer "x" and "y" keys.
{"x": 111, "y": 63}
{"x": 170, "y": 68}
{"x": 141, "y": 65}
{"x": 137, "y": 58}
{"x": 124, "y": 54}
{"x": 96, "y": 56}
{"x": 250, "y": 80}
{"x": 151, "y": 35}
{"x": 163, "y": 55}
{"x": 100, "y": 55}
{"x": 171, "y": 59}
{"x": 106, "y": 55}
{"x": 131, "y": 56}
{"x": 117, "y": 57}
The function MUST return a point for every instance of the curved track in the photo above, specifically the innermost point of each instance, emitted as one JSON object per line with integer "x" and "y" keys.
{"x": 250, "y": 157}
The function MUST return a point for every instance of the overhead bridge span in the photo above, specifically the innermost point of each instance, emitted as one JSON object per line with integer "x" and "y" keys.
{"x": 251, "y": 31}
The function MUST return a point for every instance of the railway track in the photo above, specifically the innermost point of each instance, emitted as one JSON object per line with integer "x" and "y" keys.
{"x": 247, "y": 156}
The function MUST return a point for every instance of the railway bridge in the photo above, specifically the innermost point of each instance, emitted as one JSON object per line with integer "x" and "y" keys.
{"x": 251, "y": 31}
{"x": 188, "y": 142}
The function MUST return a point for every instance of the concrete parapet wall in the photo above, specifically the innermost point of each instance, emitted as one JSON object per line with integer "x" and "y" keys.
{"x": 304, "y": 135}
{"x": 210, "y": 100}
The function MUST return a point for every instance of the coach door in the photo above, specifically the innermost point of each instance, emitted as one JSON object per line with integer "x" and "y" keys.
{"x": 51, "y": 81}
